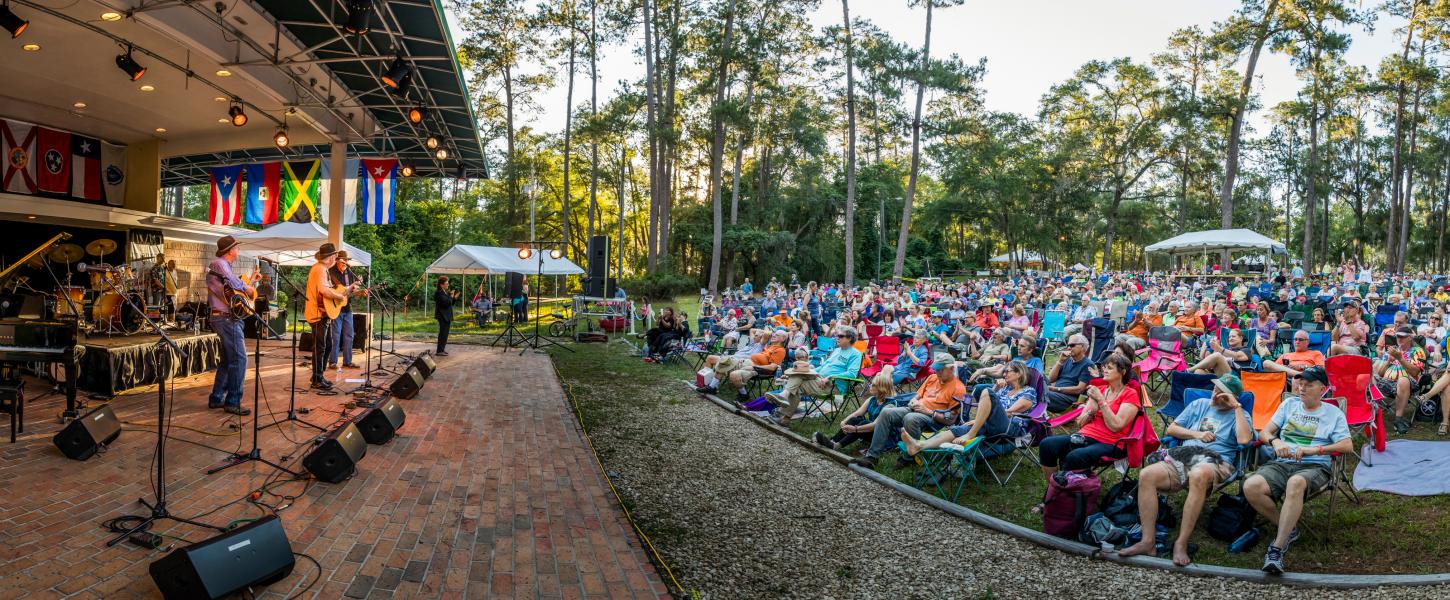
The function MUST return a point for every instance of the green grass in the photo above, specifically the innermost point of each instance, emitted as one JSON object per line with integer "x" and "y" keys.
{"x": 1384, "y": 534}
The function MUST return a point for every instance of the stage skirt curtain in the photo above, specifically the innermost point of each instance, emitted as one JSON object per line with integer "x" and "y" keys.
{"x": 112, "y": 370}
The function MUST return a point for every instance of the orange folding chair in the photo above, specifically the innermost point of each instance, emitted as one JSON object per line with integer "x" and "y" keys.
{"x": 1268, "y": 391}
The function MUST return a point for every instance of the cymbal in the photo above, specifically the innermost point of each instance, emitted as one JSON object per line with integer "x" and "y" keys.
{"x": 101, "y": 247}
{"x": 66, "y": 253}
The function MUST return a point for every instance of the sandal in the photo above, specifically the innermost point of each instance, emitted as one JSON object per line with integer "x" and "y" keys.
{"x": 1444, "y": 429}
{"x": 1037, "y": 510}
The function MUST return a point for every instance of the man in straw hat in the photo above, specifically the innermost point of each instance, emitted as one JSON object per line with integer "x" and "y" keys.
{"x": 844, "y": 361}
{"x": 342, "y": 327}
{"x": 319, "y": 286}
{"x": 231, "y": 372}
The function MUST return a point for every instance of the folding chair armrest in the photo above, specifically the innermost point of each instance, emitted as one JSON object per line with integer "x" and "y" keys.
{"x": 1065, "y": 418}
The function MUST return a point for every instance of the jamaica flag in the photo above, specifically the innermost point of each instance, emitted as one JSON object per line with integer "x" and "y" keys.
{"x": 299, "y": 190}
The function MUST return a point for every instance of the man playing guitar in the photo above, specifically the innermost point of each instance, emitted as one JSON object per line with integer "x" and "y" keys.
{"x": 324, "y": 302}
{"x": 342, "y": 333}
{"x": 226, "y": 389}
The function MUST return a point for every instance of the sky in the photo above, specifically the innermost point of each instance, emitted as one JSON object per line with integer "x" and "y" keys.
{"x": 1029, "y": 45}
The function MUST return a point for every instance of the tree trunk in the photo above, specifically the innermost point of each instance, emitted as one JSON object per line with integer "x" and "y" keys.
{"x": 1187, "y": 144}
{"x": 717, "y": 150}
{"x": 510, "y": 165}
{"x": 1444, "y": 207}
{"x": 1393, "y": 229}
{"x": 1311, "y": 190}
{"x": 1112, "y": 226}
{"x": 651, "y": 132}
{"x": 1409, "y": 163}
{"x": 1231, "y": 161}
{"x": 901, "y": 238}
{"x": 1359, "y": 186}
{"x": 594, "y": 136}
{"x": 568, "y": 124}
{"x": 850, "y": 276}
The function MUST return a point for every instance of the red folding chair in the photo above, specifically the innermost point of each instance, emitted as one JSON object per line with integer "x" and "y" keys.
{"x": 888, "y": 349}
{"x": 1351, "y": 377}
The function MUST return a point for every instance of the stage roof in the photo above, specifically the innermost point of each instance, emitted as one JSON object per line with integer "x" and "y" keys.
{"x": 1215, "y": 240}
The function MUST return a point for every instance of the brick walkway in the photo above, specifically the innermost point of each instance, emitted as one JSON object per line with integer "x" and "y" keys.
{"x": 489, "y": 492}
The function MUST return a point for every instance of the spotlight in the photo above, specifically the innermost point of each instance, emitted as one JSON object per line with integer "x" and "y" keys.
{"x": 556, "y": 254}
{"x": 415, "y": 114}
{"x": 280, "y": 138}
{"x": 11, "y": 22}
{"x": 405, "y": 83}
{"x": 407, "y": 170}
{"x": 394, "y": 77}
{"x": 441, "y": 154}
{"x": 359, "y": 17}
{"x": 238, "y": 117}
{"x": 431, "y": 142}
{"x": 129, "y": 65}
{"x": 525, "y": 253}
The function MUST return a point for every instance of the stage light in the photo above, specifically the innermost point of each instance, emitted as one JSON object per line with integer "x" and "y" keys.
{"x": 525, "y": 253}
{"x": 415, "y": 115}
{"x": 394, "y": 76}
{"x": 556, "y": 254}
{"x": 12, "y": 22}
{"x": 111, "y": 16}
{"x": 236, "y": 115}
{"x": 129, "y": 65}
{"x": 405, "y": 83}
{"x": 359, "y": 16}
{"x": 441, "y": 154}
{"x": 431, "y": 142}
{"x": 280, "y": 138}
{"x": 407, "y": 170}
{"x": 79, "y": 105}
{"x": 160, "y": 130}
{"x": 148, "y": 88}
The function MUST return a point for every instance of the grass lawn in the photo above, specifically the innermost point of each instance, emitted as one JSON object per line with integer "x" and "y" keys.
{"x": 1384, "y": 534}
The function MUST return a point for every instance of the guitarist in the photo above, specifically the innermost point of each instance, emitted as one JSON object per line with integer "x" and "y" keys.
{"x": 342, "y": 333}
{"x": 226, "y": 388}
{"x": 319, "y": 291}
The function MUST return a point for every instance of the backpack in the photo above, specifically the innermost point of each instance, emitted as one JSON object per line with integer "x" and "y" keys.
{"x": 1230, "y": 518}
{"x": 1120, "y": 505}
{"x": 1070, "y": 498}
{"x": 1099, "y": 530}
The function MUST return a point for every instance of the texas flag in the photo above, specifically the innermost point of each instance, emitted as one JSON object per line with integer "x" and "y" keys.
{"x": 17, "y": 148}
{"x": 264, "y": 189}
{"x": 85, "y": 168}
{"x": 54, "y": 154}
{"x": 379, "y": 188}
{"x": 226, "y": 196}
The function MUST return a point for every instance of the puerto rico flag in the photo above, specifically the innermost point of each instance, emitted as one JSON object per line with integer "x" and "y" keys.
{"x": 226, "y": 197}
{"x": 264, "y": 189}
{"x": 379, "y": 188}
{"x": 53, "y": 148}
{"x": 85, "y": 168}
{"x": 17, "y": 144}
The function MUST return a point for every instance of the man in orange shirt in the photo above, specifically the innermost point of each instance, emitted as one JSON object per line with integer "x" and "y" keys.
{"x": 319, "y": 286}
{"x": 1301, "y": 358}
{"x": 1143, "y": 320}
{"x": 739, "y": 370}
{"x": 936, "y": 405}
{"x": 1189, "y": 323}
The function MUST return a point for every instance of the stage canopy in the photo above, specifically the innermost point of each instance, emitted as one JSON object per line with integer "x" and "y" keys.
{"x": 1203, "y": 242}
{"x": 294, "y": 244}
{"x": 493, "y": 260}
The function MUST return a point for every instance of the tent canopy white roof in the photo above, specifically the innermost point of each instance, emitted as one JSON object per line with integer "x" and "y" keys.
{"x": 1203, "y": 242}
{"x": 494, "y": 260}
{"x": 294, "y": 244}
{"x": 1023, "y": 256}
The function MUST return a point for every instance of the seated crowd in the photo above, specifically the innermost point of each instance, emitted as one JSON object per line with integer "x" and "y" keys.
{"x": 971, "y": 360}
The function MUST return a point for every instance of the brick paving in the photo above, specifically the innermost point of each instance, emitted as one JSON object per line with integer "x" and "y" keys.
{"x": 489, "y": 492}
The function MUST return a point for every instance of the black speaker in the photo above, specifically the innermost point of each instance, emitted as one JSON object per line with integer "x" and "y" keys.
{"x": 513, "y": 285}
{"x": 336, "y": 458}
{"x": 380, "y": 423}
{"x": 425, "y": 365}
{"x": 362, "y": 327}
{"x": 83, "y": 437}
{"x": 255, "y": 554}
{"x": 598, "y": 257}
{"x": 408, "y": 384}
{"x": 600, "y": 287}
{"x": 304, "y": 342}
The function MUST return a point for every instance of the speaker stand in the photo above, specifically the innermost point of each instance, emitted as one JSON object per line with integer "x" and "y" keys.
{"x": 511, "y": 335}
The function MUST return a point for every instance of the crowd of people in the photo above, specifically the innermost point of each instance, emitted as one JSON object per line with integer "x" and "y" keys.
{"x": 975, "y": 350}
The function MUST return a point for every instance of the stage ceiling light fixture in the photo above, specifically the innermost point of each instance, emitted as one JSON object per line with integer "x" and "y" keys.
{"x": 148, "y": 88}
{"x": 359, "y": 17}
{"x": 223, "y": 73}
{"x": 431, "y": 143}
{"x": 79, "y": 105}
{"x": 12, "y": 22}
{"x": 525, "y": 252}
{"x": 128, "y": 65}
{"x": 31, "y": 47}
{"x": 280, "y": 138}
{"x": 441, "y": 154}
{"x": 415, "y": 114}
{"x": 407, "y": 170}
{"x": 111, "y": 16}
{"x": 236, "y": 115}
{"x": 394, "y": 76}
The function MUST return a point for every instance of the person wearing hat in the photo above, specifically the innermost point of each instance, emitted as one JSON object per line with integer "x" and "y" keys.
{"x": 342, "y": 327}
{"x": 1302, "y": 436}
{"x": 1397, "y": 371}
{"x": 843, "y": 361}
{"x": 1211, "y": 430}
{"x": 937, "y": 404}
{"x": 1000, "y": 414}
{"x": 320, "y": 286}
{"x": 231, "y": 371}
{"x": 1351, "y": 332}
{"x": 752, "y": 358}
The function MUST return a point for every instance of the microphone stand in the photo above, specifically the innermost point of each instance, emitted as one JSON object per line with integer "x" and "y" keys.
{"x": 291, "y": 389}
{"x": 163, "y": 349}
{"x": 383, "y": 300}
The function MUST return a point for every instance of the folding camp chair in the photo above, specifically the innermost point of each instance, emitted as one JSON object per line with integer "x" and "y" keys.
{"x": 1103, "y": 336}
{"x": 846, "y": 395}
{"x": 1180, "y": 382}
{"x": 1351, "y": 377}
{"x": 1165, "y": 355}
{"x": 1268, "y": 391}
{"x": 1384, "y": 316}
{"x": 888, "y": 350}
{"x": 1320, "y": 340}
{"x": 937, "y": 465}
{"x": 1294, "y": 318}
{"x": 1244, "y": 452}
{"x": 873, "y": 332}
{"x": 1053, "y": 322}
{"x": 824, "y": 345}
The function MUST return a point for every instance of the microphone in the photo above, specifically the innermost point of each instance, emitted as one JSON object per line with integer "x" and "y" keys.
{"x": 83, "y": 267}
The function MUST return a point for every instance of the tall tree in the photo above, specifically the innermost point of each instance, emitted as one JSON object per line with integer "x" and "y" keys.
{"x": 1238, "y": 31}
{"x": 717, "y": 146}
{"x": 850, "y": 253}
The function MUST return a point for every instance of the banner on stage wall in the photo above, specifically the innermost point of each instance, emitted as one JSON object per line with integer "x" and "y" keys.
{"x": 17, "y": 142}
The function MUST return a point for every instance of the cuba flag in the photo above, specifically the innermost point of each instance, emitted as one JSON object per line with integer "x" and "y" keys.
{"x": 226, "y": 196}
{"x": 379, "y": 188}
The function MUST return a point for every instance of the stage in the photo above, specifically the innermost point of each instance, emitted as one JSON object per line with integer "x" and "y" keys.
{"x": 489, "y": 491}
{"x": 114, "y": 364}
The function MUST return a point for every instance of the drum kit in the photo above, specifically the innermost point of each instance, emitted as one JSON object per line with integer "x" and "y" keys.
{"x": 108, "y": 288}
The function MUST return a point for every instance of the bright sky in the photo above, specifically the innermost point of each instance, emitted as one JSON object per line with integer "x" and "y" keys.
{"x": 1030, "y": 45}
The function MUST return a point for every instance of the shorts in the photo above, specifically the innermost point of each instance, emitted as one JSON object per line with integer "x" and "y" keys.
{"x": 1386, "y": 386}
{"x": 1277, "y": 475}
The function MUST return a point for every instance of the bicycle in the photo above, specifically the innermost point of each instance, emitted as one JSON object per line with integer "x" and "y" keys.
{"x": 564, "y": 326}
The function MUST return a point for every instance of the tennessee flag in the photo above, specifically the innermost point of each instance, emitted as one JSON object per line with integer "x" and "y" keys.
{"x": 264, "y": 189}
{"x": 85, "y": 168}
{"x": 226, "y": 197}
{"x": 380, "y": 186}
{"x": 17, "y": 142}
{"x": 54, "y": 154}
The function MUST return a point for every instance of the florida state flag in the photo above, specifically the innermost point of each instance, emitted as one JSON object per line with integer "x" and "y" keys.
{"x": 17, "y": 148}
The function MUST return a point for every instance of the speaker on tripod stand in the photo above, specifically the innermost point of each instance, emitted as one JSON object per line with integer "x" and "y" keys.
{"x": 598, "y": 284}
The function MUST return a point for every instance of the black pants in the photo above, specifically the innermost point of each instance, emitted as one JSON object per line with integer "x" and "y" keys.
{"x": 1059, "y": 402}
{"x": 443, "y": 326}
{"x": 1059, "y": 448}
{"x": 321, "y": 340}
{"x": 843, "y": 439}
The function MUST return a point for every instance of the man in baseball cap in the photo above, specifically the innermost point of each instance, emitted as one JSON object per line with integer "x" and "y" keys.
{"x": 1397, "y": 371}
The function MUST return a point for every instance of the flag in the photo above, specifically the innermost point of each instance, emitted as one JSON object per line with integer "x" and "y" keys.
{"x": 264, "y": 188}
{"x": 349, "y": 191}
{"x": 113, "y": 173}
{"x": 53, "y": 151}
{"x": 226, "y": 196}
{"x": 299, "y": 191}
{"x": 380, "y": 186}
{"x": 17, "y": 141}
{"x": 85, "y": 168}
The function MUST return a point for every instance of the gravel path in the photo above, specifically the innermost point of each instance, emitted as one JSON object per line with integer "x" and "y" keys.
{"x": 739, "y": 512}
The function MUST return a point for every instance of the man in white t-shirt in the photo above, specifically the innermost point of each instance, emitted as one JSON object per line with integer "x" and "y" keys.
{"x": 1303, "y": 434}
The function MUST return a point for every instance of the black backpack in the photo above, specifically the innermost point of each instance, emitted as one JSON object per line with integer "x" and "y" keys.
{"x": 1120, "y": 505}
{"x": 1230, "y": 518}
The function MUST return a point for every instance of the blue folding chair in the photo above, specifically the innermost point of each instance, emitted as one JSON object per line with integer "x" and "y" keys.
{"x": 1053, "y": 322}
{"x": 1179, "y": 384}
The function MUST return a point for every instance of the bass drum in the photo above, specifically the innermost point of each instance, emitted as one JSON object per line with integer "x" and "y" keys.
{"x": 110, "y": 311}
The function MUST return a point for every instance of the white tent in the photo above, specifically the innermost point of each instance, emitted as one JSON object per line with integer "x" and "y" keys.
{"x": 294, "y": 244}
{"x": 493, "y": 260}
{"x": 1080, "y": 267}
{"x": 1024, "y": 257}
{"x": 1204, "y": 242}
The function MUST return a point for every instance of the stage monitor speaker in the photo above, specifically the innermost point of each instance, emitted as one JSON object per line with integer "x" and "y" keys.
{"x": 425, "y": 365}
{"x": 83, "y": 437}
{"x": 336, "y": 458}
{"x": 380, "y": 423}
{"x": 598, "y": 257}
{"x": 255, "y": 554}
{"x": 362, "y": 327}
{"x": 513, "y": 285}
{"x": 407, "y": 385}
{"x": 304, "y": 342}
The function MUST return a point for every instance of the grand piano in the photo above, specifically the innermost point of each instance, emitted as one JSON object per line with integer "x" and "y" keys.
{"x": 26, "y": 340}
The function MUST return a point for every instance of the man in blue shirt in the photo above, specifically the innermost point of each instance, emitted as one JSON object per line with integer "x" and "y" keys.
{"x": 1069, "y": 376}
{"x": 1302, "y": 435}
{"x": 231, "y": 371}
{"x": 1211, "y": 431}
{"x": 844, "y": 361}
{"x": 746, "y": 288}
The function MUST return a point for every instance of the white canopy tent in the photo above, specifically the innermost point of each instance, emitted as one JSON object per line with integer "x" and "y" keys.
{"x": 494, "y": 260}
{"x": 1217, "y": 240}
{"x": 1023, "y": 257}
{"x": 294, "y": 244}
